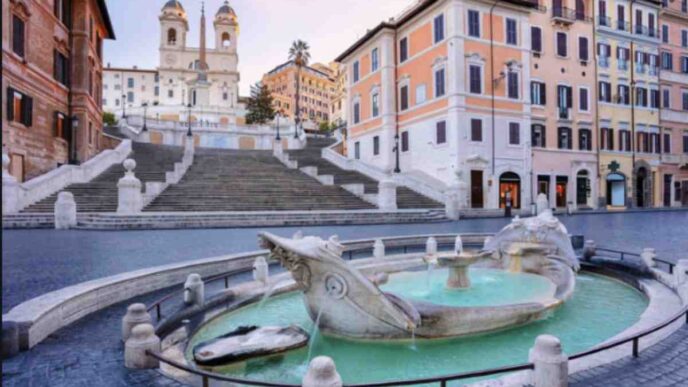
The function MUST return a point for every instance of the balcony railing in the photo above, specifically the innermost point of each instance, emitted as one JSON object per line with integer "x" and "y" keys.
{"x": 564, "y": 113}
{"x": 645, "y": 31}
{"x": 569, "y": 15}
{"x": 623, "y": 26}
{"x": 603, "y": 61}
{"x": 622, "y": 64}
{"x": 639, "y": 68}
{"x": 604, "y": 21}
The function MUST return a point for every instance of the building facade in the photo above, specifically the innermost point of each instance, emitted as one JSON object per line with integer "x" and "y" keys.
{"x": 51, "y": 79}
{"x": 673, "y": 77}
{"x": 172, "y": 86}
{"x": 443, "y": 91}
{"x": 338, "y": 105}
{"x": 563, "y": 108}
{"x": 317, "y": 89}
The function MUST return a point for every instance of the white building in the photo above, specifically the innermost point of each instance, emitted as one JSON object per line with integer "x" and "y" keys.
{"x": 205, "y": 78}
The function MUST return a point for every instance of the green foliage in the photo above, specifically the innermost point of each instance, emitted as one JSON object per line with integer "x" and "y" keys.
{"x": 109, "y": 119}
{"x": 259, "y": 105}
{"x": 324, "y": 127}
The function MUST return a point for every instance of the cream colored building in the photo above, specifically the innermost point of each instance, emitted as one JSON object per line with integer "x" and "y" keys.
{"x": 205, "y": 78}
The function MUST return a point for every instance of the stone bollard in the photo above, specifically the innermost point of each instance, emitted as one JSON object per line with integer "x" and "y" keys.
{"x": 458, "y": 244}
{"x": 541, "y": 203}
{"x": 551, "y": 364}
{"x": 322, "y": 373}
{"x": 589, "y": 249}
{"x": 680, "y": 272}
{"x": 260, "y": 270}
{"x": 194, "y": 290}
{"x": 142, "y": 339}
{"x": 144, "y": 136}
{"x": 10, "y": 339}
{"x": 65, "y": 211}
{"x": 648, "y": 256}
{"x": 11, "y": 190}
{"x": 136, "y": 314}
{"x": 297, "y": 235}
{"x": 431, "y": 246}
{"x": 387, "y": 195}
{"x": 129, "y": 196}
{"x": 378, "y": 249}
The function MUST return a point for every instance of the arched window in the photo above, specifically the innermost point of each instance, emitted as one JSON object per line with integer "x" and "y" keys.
{"x": 225, "y": 39}
{"x": 172, "y": 36}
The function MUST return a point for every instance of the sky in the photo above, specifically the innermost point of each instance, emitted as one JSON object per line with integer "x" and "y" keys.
{"x": 267, "y": 29}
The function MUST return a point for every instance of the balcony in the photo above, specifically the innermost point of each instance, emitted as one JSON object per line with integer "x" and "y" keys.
{"x": 564, "y": 113}
{"x": 568, "y": 15}
{"x": 645, "y": 31}
{"x": 604, "y": 21}
{"x": 639, "y": 68}
{"x": 603, "y": 61}
{"x": 623, "y": 26}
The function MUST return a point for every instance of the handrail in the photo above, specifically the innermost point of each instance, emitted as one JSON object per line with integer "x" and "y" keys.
{"x": 206, "y": 376}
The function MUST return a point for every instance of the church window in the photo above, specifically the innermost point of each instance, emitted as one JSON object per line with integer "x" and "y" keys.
{"x": 172, "y": 36}
{"x": 170, "y": 93}
{"x": 225, "y": 39}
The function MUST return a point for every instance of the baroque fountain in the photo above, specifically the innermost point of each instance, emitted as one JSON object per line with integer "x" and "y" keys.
{"x": 402, "y": 315}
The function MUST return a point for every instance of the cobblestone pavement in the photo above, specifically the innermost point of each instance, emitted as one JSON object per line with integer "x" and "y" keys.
{"x": 89, "y": 352}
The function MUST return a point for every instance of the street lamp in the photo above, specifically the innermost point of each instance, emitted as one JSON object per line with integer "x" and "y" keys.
{"x": 72, "y": 147}
{"x": 145, "y": 112}
{"x": 278, "y": 117}
{"x": 188, "y": 117}
{"x": 396, "y": 151}
{"x": 297, "y": 121}
{"x": 124, "y": 106}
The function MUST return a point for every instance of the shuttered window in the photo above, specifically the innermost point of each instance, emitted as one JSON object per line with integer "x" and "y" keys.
{"x": 19, "y": 107}
{"x": 536, "y": 39}
{"x": 18, "y": 35}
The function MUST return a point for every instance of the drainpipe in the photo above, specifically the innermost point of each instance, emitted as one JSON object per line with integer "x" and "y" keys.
{"x": 595, "y": 101}
{"x": 632, "y": 98}
{"x": 492, "y": 80}
{"x": 397, "y": 144}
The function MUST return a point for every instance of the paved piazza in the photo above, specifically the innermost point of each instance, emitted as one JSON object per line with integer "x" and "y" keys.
{"x": 89, "y": 352}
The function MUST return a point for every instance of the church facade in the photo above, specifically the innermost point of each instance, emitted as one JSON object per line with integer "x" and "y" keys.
{"x": 202, "y": 81}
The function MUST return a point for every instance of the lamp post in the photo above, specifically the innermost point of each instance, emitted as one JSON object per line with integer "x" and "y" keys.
{"x": 72, "y": 147}
{"x": 277, "y": 137}
{"x": 396, "y": 151}
{"x": 188, "y": 117}
{"x": 145, "y": 112}
{"x": 124, "y": 106}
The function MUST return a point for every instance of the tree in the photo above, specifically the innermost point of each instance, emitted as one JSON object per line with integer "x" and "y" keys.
{"x": 109, "y": 119}
{"x": 300, "y": 55}
{"x": 259, "y": 105}
{"x": 324, "y": 127}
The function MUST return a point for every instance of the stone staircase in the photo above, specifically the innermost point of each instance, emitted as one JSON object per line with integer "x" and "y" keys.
{"x": 100, "y": 194}
{"x": 243, "y": 180}
{"x": 310, "y": 156}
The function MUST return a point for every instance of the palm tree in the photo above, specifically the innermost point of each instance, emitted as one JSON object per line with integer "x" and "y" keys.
{"x": 300, "y": 55}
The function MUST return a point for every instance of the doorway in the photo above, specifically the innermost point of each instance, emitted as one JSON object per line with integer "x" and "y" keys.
{"x": 582, "y": 188}
{"x": 667, "y": 190}
{"x": 641, "y": 187}
{"x": 616, "y": 189}
{"x": 561, "y": 191}
{"x": 476, "y": 189}
{"x": 510, "y": 182}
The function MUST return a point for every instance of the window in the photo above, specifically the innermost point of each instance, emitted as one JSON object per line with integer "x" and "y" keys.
{"x": 605, "y": 91}
{"x": 374, "y": 60}
{"x": 356, "y": 74}
{"x": 564, "y": 138}
{"x": 666, "y": 98}
{"x": 475, "y": 80}
{"x": 117, "y": 102}
{"x": 684, "y": 38}
{"x": 537, "y": 134}
{"x": 376, "y": 145}
{"x": 225, "y": 95}
{"x": 512, "y": 81}
{"x": 684, "y": 100}
{"x": 61, "y": 68}
{"x": 607, "y": 139}
{"x": 403, "y": 98}
{"x": 403, "y": 50}
{"x": 602, "y": 5}
{"x": 667, "y": 61}
{"x": 357, "y": 150}
{"x": 536, "y": 39}
{"x": 156, "y": 91}
{"x": 584, "y": 140}
{"x": 511, "y": 33}
{"x": 130, "y": 96}
{"x": 684, "y": 64}
{"x": 561, "y": 44}
{"x": 18, "y": 35}
{"x": 624, "y": 97}
{"x": 60, "y": 129}
{"x": 441, "y": 132}
{"x": 130, "y": 83}
{"x": 564, "y": 100}
{"x": 583, "y": 99}
{"x": 439, "y": 83}
{"x": 420, "y": 93}
{"x": 170, "y": 93}
{"x": 641, "y": 96}
{"x": 651, "y": 25}
{"x": 19, "y": 107}
{"x": 476, "y": 130}
{"x": 438, "y": 23}
{"x": 171, "y": 36}
{"x": 473, "y": 23}
{"x": 514, "y": 133}
{"x": 665, "y": 33}
{"x": 603, "y": 54}
{"x": 376, "y": 104}
{"x": 404, "y": 141}
{"x": 654, "y": 99}
{"x": 625, "y": 140}
{"x": 538, "y": 93}
{"x": 685, "y": 144}
{"x": 583, "y": 48}
{"x": 357, "y": 112}
{"x": 62, "y": 11}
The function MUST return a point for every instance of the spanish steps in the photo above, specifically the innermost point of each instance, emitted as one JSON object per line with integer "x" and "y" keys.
{"x": 100, "y": 194}
{"x": 311, "y": 156}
